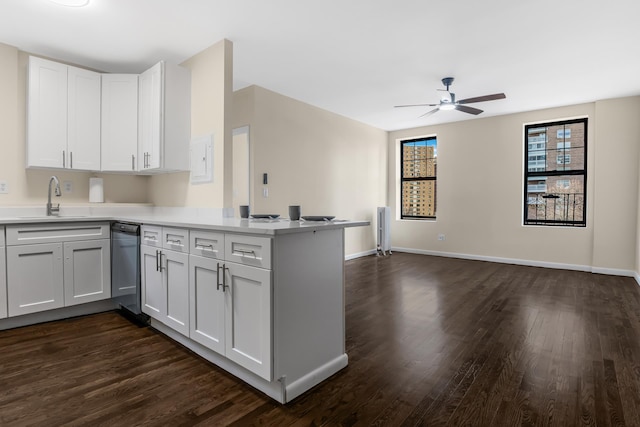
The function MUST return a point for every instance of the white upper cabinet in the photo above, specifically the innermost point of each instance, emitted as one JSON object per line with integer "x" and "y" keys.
{"x": 46, "y": 114}
{"x": 164, "y": 118}
{"x": 63, "y": 116}
{"x": 120, "y": 122}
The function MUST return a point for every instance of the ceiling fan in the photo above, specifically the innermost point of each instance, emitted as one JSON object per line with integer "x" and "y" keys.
{"x": 448, "y": 101}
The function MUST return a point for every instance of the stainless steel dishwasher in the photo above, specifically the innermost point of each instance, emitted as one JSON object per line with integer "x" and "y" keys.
{"x": 125, "y": 270}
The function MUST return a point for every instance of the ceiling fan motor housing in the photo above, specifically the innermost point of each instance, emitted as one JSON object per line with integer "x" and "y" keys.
{"x": 447, "y": 81}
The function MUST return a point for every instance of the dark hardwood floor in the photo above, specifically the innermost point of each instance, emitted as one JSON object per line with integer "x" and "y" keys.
{"x": 431, "y": 341}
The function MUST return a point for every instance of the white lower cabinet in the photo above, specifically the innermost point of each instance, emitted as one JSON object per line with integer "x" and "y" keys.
{"x": 230, "y": 306}
{"x": 34, "y": 278}
{"x": 248, "y": 318}
{"x": 206, "y": 303}
{"x": 165, "y": 287}
{"x": 87, "y": 271}
{"x": 72, "y": 267}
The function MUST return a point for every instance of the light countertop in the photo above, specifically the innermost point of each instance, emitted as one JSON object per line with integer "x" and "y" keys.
{"x": 251, "y": 226}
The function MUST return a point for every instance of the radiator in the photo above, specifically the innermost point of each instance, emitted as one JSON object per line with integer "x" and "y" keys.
{"x": 384, "y": 230}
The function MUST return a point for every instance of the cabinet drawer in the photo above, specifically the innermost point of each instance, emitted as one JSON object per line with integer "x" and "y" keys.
{"x": 29, "y": 234}
{"x": 176, "y": 239}
{"x": 151, "y": 235}
{"x": 249, "y": 250}
{"x": 207, "y": 244}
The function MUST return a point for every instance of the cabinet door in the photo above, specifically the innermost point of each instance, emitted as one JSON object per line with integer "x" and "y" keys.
{"x": 83, "y": 126}
{"x": 34, "y": 278}
{"x": 154, "y": 298}
{"x": 150, "y": 99}
{"x": 248, "y": 318}
{"x": 87, "y": 273}
{"x": 175, "y": 266}
{"x": 206, "y": 303}
{"x": 3, "y": 283}
{"x": 46, "y": 113}
{"x": 119, "y": 135}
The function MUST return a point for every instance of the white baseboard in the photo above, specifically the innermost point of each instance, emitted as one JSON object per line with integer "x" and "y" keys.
{"x": 530, "y": 263}
{"x": 360, "y": 254}
{"x": 315, "y": 377}
{"x": 613, "y": 271}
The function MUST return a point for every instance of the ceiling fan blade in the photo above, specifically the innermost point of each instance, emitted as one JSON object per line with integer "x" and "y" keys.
{"x": 483, "y": 98}
{"x": 416, "y": 105}
{"x": 428, "y": 113}
{"x": 469, "y": 110}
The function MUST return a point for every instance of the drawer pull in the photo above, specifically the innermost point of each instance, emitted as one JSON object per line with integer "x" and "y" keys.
{"x": 244, "y": 252}
{"x": 150, "y": 238}
{"x": 174, "y": 242}
{"x": 202, "y": 246}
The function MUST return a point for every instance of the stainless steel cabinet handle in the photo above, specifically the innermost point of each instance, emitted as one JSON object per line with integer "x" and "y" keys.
{"x": 64, "y": 158}
{"x": 201, "y": 246}
{"x": 224, "y": 278}
{"x": 246, "y": 252}
{"x": 218, "y": 276}
{"x": 174, "y": 242}
{"x": 161, "y": 267}
{"x": 133, "y": 162}
{"x": 157, "y": 264}
{"x": 71, "y": 159}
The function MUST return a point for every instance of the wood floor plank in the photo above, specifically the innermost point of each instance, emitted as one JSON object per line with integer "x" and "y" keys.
{"x": 431, "y": 341}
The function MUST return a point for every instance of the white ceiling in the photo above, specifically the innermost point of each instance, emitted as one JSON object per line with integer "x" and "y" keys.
{"x": 359, "y": 58}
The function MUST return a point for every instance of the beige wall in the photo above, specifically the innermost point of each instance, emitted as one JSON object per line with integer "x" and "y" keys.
{"x": 328, "y": 164}
{"x": 616, "y": 154}
{"x": 211, "y": 95}
{"x": 29, "y": 186}
{"x": 480, "y": 190}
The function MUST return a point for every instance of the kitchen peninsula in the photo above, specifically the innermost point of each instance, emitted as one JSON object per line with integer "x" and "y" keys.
{"x": 261, "y": 298}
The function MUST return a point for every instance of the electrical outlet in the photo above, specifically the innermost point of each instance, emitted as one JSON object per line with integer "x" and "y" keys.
{"x": 67, "y": 186}
{"x": 441, "y": 237}
{"x": 4, "y": 187}
{"x": 265, "y": 192}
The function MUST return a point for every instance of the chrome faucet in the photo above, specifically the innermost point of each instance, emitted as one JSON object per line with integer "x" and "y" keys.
{"x": 53, "y": 210}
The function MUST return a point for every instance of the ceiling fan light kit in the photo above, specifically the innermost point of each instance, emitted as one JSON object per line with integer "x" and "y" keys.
{"x": 448, "y": 101}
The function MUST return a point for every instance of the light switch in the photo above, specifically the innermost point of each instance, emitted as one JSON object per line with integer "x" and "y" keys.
{"x": 67, "y": 186}
{"x": 4, "y": 187}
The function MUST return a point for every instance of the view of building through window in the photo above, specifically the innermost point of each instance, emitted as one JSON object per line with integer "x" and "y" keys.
{"x": 418, "y": 178}
{"x": 555, "y": 173}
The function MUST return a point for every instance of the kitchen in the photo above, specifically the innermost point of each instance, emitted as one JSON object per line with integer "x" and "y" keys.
{"x": 25, "y": 296}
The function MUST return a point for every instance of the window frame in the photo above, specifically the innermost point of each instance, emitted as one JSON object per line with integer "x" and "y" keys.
{"x": 428, "y": 178}
{"x": 558, "y": 172}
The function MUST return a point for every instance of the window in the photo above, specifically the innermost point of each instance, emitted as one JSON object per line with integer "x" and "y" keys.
{"x": 555, "y": 192}
{"x": 418, "y": 165}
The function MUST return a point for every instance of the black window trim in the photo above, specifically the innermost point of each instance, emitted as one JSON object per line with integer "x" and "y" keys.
{"x": 426, "y": 178}
{"x": 580, "y": 172}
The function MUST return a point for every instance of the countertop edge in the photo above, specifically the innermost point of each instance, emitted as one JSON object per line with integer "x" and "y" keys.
{"x": 258, "y": 227}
